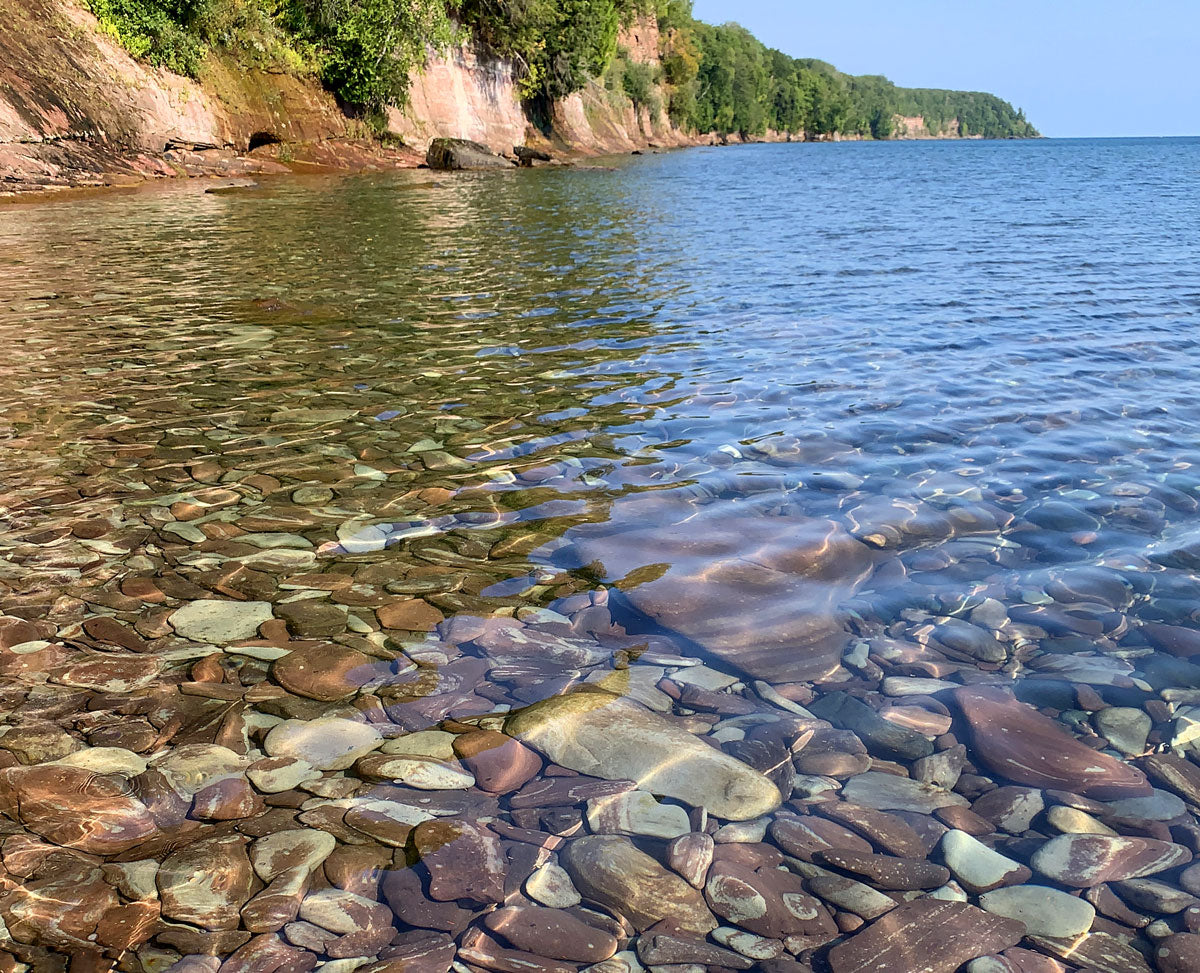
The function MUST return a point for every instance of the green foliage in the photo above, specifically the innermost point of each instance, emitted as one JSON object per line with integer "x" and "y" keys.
{"x": 557, "y": 45}
{"x": 163, "y": 32}
{"x": 365, "y": 49}
{"x": 714, "y": 78}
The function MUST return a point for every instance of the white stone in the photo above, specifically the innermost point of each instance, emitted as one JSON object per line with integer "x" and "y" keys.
{"x": 277, "y": 779}
{"x": 285, "y": 850}
{"x": 605, "y": 736}
{"x": 220, "y": 622}
{"x": 552, "y": 886}
{"x": 636, "y": 813}
{"x": 1045, "y": 911}
{"x": 424, "y": 743}
{"x": 106, "y": 760}
{"x": 328, "y": 743}
{"x": 424, "y": 774}
{"x": 973, "y": 863}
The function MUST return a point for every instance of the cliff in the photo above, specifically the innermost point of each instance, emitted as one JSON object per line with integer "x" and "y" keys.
{"x": 78, "y": 110}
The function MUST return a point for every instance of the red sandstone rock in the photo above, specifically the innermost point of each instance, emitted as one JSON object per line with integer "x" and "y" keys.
{"x": 325, "y": 671}
{"x": 499, "y": 763}
{"x": 1019, "y": 743}
{"x": 1084, "y": 860}
{"x": 77, "y": 808}
{"x": 552, "y": 933}
{"x": 928, "y": 935}
{"x": 464, "y": 860}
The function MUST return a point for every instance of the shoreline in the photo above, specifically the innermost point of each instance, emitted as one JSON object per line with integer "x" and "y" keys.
{"x": 81, "y": 168}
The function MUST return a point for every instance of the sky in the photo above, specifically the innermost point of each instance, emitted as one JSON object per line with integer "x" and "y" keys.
{"x": 1095, "y": 68}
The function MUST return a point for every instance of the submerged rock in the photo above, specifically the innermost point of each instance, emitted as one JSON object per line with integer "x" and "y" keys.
{"x": 605, "y": 736}
{"x": 1017, "y": 742}
{"x": 613, "y": 873}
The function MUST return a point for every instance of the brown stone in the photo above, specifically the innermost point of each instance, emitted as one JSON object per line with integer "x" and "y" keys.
{"x": 269, "y": 954}
{"x": 127, "y": 926}
{"x": 499, "y": 763}
{"x": 61, "y": 912}
{"x": 1019, "y": 743}
{"x": 206, "y": 883}
{"x": 111, "y": 673}
{"x": 481, "y": 950}
{"x": 886, "y": 831}
{"x": 1084, "y": 860}
{"x": 612, "y": 872}
{"x": 731, "y": 579}
{"x": 326, "y": 671}
{"x": 108, "y": 630}
{"x": 363, "y": 926}
{"x": 927, "y": 935}
{"x": 413, "y": 615}
{"x": 1179, "y": 953}
{"x": 691, "y": 855}
{"x": 1096, "y": 952}
{"x": 464, "y": 860}
{"x": 804, "y": 837}
{"x": 226, "y": 800}
{"x": 886, "y": 872}
{"x": 552, "y": 933}
{"x": 77, "y": 808}
{"x": 1174, "y": 773}
{"x": 404, "y": 891}
{"x": 768, "y": 901}
{"x": 663, "y": 949}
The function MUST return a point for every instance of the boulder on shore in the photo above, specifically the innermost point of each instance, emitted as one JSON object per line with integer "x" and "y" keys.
{"x": 463, "y": 154}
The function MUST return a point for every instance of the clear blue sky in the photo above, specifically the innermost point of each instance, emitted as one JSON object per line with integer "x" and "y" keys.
{"x": 1103, "y": 67}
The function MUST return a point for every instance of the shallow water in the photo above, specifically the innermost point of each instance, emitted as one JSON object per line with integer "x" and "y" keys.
{"x": 739, "y": 434}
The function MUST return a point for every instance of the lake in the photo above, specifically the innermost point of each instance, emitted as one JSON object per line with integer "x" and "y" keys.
{"x": 776, "y": 557}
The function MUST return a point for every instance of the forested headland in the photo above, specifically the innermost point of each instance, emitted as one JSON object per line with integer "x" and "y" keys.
{"x": 710, "y": 78}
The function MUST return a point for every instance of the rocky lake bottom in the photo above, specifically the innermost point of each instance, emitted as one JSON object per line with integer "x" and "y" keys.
{"x": 562, "y": 571}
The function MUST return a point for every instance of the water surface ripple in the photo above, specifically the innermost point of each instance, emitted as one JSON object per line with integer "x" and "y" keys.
{"x": 740, "y": 558}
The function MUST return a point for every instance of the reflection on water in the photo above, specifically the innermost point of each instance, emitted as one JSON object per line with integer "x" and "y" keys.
{"x": 652, "y": 567}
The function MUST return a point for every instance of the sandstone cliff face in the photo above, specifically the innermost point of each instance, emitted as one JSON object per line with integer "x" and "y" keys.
{"x": 76, "y": 109}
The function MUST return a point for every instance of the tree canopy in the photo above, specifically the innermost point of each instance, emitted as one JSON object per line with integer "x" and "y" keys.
{"x": 713, "y": 78}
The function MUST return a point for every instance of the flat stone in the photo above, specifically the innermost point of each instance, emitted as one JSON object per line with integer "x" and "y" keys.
{"x": 108, "y": 630}
{"x": 1125, "y": 727}
{"x": 419, "y": 772}
{"x": 273, "y": 775}
{"x": 1179, "y": 953}
{"x": 1085, "y": 860}
{"x": 1155, "y": 896}
{"x": 657, "y": 950}
{"x": 220, "y": 622}
{"x": 111, "y": 673}
{"x": 363, "y": 926}
{"x": 610, "y": 871}
{"x": 499, "y": 763}
{"x": 851, "y": 896}
{"x": 882, "y": 737}
{"x": 1175, "y": 773}
{"x": 1159, "y": 806}
{"x": 413, "y": 615}
{"x": 106, "y": 760}
{"x": 636, "y": 813}
{"x": 464, "y": 860}
{"x": 1019, "y": 743}
{"x": 929, "y": 935}
{"x": 602, "y": 735}
{"x": 886, "y": 792}
{"x": 284, "y": 850}
{"x": 206, "y": 883}
{"x": 805, "y": 837}
{"x": 327, "y": 743}
{"x": 1044, "y": 911}
{"x": 326, "y": 671}
{"x": 551, "y": 886}
{"x": 77, "y": 808}
{"x": 436, "y": 744}
{"x": 1010, "y": 809}
{"x": 1095, "y": 952}
{"x": 976, "y": 866}
{"x": 690, "y": 855}
{"x": 888, "y": 832}
{"x": 887, "y": 872}
{"x": 767, "y": 901}
{"x": 735, "y": 575}
{"x": 552, "y": 933}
